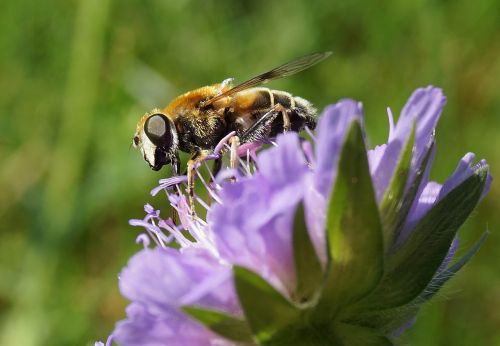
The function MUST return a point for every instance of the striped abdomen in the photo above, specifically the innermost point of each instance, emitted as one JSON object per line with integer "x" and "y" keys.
{"x": 249, "y": 105}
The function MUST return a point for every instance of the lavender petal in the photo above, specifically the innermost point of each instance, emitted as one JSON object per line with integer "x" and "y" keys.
{"x": 147, "y": 327}
{"x": 253, "y": 224}
{"x": 332, "y": 129}
{"x": 423, "y": 109}
{"x": 159, "y": 278}
{"x": 434, "y": 192}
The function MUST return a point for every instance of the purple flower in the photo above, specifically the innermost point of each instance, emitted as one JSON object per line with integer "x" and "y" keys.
{"x": 246, "y": 253}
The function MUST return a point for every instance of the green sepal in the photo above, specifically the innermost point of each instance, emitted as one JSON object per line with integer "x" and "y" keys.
{"x": 410, "y": 194}
{"x": 227, "y": 326}
{"x": 441, "y": 278}
{"x": 304, "y": 334}
{"x": 385, "y": 321}
{"x": 307, "y": 264}
{"x": 335, "y": 333}
{"x": 351, "y": 335}
{"x": 411, "y": 268}
{"x": 354, "y": 231}
{"x": 388, "y": 320}
{"x": 266, "y": 310}
{"x": 391, "y": 205}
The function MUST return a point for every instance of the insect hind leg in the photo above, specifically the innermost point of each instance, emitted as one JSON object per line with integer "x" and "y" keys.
{"x": 286, "y": 118}
{"x": 262, "y": 128}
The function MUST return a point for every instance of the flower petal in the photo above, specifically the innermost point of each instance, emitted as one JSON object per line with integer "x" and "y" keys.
{"x": 332, "y": 129}
{"x": 143, "y": 328}
{"x": 434, "y": 192}
{"x": 253, "y": 225}
{"x": 424, "y": 107}
{"x": 162, "y": 279}
{"x": 375, "y": 155}
{"x": 315, "y": 212}
{"x": 284, "y": 165}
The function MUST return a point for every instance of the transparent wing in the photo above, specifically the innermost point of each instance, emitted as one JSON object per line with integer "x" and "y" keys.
{"x": 284, "y": 70}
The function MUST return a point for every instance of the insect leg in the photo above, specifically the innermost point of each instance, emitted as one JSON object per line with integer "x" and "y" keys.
{"x": 190, "y": 184}
{"x": 235, "y": 143}
{"x": 286, "y": 119}
{"x": 261, "y": 128}
{"x": 176, "y": 164}
{"x": 176, "y": 168}
{"x": 192, "y": 165}
{"x": 216, "y": 167}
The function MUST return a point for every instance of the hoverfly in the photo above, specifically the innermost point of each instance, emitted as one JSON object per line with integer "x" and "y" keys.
{"x": 198, "y": 120}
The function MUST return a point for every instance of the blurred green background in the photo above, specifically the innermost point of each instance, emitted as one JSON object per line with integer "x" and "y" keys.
{"x": 76, "y": 75}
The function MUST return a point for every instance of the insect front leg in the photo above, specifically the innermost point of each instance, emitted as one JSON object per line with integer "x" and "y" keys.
{"x": 176, "y": 169}
{"x": 176, "y": 164}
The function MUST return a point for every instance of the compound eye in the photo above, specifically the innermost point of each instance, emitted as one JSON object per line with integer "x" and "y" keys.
{"x": 157, "y": 128}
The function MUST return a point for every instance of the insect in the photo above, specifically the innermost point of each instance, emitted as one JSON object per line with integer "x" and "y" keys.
{"x": 198, "y": 120}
